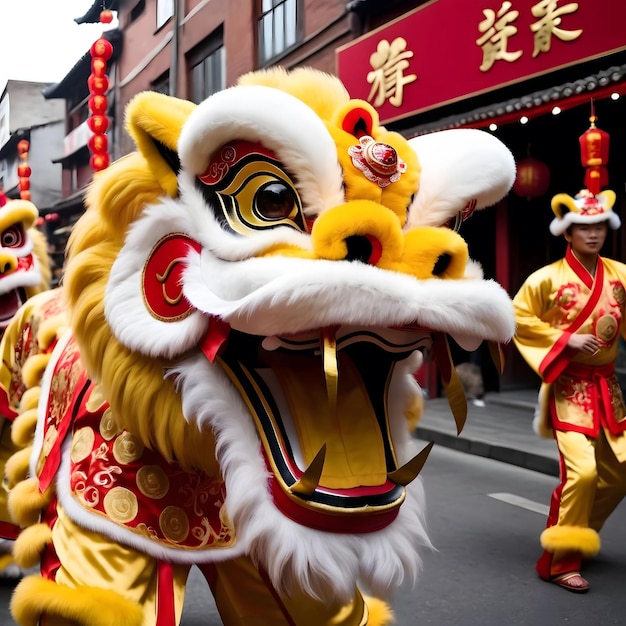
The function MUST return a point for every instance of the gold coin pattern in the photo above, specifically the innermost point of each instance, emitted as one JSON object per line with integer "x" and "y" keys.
{"x": 152, "y": 481}
{"x": 82, "y": 444}
{"x": 174, "y": 524}
{"x": 127, "y": 448}
{"x": 120, "y": 504}
{"x": 606, "y": 327}
{"x": 96, "y": 400}
{"x": 108, "y": 430}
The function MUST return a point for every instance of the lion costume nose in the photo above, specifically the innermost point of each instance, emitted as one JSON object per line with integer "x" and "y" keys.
{"x": 367, "y": 232}
{"x": 8, "y": 263}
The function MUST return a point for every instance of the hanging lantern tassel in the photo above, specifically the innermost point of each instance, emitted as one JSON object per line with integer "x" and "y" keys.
{"x": 594, "y": 154}
{"x": 98, "y": 121}
{"x": 23, "y": 169}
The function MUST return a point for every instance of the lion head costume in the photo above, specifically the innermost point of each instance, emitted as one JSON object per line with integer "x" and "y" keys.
{"x": 250, "y": 294}
{"x": 24, "y": 273}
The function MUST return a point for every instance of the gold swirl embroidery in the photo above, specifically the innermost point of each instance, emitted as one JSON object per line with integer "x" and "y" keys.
{"x": 120, "y": 505}
{"x": 127, "y": 448}
{"x": 152, "y": 481}
{"x": 174, "y": 524}
{"x": 108, "y": 428}
{"x": 619, "y": 294}
{"x": 82, "y": 444}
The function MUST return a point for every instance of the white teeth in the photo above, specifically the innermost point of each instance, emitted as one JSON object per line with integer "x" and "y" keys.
{"x": 311, "y": 478}
{"x": 410, "y": 471}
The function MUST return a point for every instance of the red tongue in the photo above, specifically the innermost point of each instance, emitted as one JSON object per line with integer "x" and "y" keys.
{"x": 9, "y": 304}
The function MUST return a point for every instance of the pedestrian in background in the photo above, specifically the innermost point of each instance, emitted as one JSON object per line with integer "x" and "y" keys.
{"x": 569, "y": 316}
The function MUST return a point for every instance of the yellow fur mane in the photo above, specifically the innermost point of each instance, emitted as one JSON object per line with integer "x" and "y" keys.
{"x": 140, "y": 399}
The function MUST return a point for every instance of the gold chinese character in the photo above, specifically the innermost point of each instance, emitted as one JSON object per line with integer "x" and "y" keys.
{"x": 547, "y": 26}
{"x": 497, "y": 29}
{"x": 388, "y": 79}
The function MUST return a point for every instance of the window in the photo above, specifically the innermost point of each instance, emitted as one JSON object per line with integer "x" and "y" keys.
{"x": 161, "y": 84}
{"x": 165, "y": 10}
{"x": 278, "y": 27}
{"x": 206, "y": 64}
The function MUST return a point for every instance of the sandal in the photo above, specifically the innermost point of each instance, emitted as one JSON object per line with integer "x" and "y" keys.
{"x": 572, "y": 581}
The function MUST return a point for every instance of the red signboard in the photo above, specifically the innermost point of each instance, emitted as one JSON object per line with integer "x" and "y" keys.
{"x": 447, "y": 50}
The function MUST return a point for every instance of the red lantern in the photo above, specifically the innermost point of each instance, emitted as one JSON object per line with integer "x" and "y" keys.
{"x": 24, "y": 184}
{"x": 22, "y": 147}
{"x": 106, "y": 16}
{"x": 24, "y": 194}
{"x": 23, "y": 170}
{"x": 101, "y": 49}
{"x": 98, "y": 124}
{"x": 98, "y": 143}
{"x": 532, "y": 179}
{"x": 594, "y": 155}
{"x": 98, "y": 104}
{"x": 99, "y": 161}
{"x": 98, "y": 67}
{"x": 98, "y": 85}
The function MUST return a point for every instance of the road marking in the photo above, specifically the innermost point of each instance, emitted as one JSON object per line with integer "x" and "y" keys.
{"x": 523, "y": 503}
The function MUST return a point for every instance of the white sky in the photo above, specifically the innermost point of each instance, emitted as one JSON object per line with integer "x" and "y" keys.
{"x": 39, "y": 40}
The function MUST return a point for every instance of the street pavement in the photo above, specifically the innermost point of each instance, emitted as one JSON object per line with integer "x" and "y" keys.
{"x": 501, "y": 429}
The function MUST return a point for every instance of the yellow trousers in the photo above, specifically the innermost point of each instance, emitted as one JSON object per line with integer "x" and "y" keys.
{"x": 593, "y": 483}
{"x": 89, "y": 565}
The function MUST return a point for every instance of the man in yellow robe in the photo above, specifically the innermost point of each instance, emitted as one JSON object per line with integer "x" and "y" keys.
{"x": 569, "y": 316}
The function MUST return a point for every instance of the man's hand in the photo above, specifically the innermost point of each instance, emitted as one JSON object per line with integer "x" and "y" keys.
{"x": 589, "y": 344}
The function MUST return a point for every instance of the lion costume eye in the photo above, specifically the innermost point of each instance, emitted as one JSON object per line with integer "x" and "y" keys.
{"x": 275, "y": 201}
{"x": 12, "y": 237}
{"x": 249, "y": 190}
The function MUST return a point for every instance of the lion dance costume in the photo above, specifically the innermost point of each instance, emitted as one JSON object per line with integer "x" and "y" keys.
{"x": 24, "y": 273}
{"x": 581, "y": 403}
{"x": 249, "y": 295}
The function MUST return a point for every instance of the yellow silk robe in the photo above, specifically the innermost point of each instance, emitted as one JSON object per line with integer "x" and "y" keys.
{"x": 555, "y": 301}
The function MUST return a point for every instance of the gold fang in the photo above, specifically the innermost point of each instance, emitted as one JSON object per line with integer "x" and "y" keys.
{"x": 410, "y": 471}
{"x": 331, "y": 370}
{"x": 163, "y": 277}
{"x": 311, "y": 478}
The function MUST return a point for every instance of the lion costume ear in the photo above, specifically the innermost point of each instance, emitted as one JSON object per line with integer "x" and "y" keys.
{"x": 563, "y": 203}
{"x": 154, "y": 121}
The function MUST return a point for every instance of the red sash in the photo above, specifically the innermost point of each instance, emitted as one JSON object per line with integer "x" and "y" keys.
{"x": 558, "y": 357}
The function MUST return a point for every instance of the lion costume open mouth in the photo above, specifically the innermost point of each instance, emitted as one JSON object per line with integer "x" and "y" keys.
{"x": 319, "y": 402}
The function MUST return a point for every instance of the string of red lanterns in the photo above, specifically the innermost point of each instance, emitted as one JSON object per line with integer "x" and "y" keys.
{"x": 98, "y": 84}
{"x": 23, "y": 169}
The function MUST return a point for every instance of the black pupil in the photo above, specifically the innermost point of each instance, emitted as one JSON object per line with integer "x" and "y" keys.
{"x": 275, "y": 201}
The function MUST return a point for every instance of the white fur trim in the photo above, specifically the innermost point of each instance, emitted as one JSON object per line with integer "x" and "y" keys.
{"x": 268, "y": 296}
{"x": 559, "y": 226}
{"x": 458, "y": 166}
{"x": 280, "y": 122}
